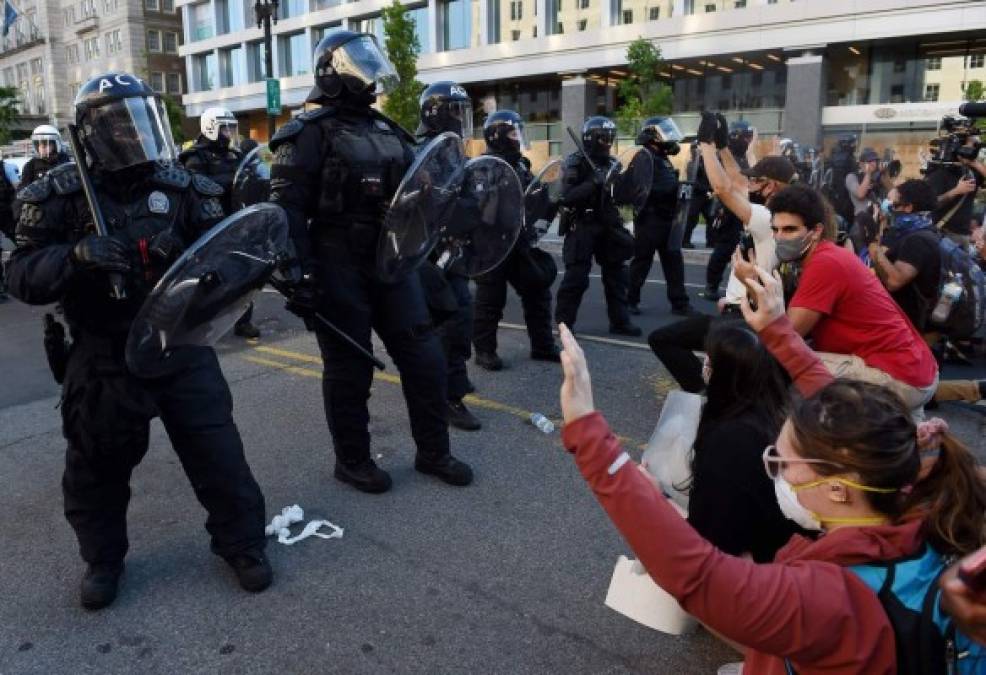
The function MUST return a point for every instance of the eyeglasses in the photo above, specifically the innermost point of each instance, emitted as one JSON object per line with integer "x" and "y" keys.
{"x": 773, "y": 463}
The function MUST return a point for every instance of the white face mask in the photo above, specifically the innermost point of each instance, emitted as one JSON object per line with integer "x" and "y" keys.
{"x": 792, "y": 508}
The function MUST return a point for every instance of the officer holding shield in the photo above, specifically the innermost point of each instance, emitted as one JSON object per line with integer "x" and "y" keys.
{"x": 503, "y": 131}
{"x": 335, "y": 171}
{"x": 152, "y": 208}
{"x": 652, "y": 225}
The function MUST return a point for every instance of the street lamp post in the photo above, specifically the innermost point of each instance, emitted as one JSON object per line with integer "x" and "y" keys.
{"x": 266, "y": 11}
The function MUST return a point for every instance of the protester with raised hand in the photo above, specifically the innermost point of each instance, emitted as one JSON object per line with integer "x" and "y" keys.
{"x": 845, "y": 463}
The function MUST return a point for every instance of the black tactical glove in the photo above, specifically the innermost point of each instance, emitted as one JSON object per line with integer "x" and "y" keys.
{"x": 303, "y": 301}
{"x": 707, "y": 128}
{"x": 722, "y": 131}
{"x": 166, "y": 246}
{"x": 105, "y": 254}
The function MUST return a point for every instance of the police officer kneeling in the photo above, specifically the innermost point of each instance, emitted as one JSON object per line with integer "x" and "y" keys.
{"x": 152, "y": 208}
{"x": 337, "y": 168}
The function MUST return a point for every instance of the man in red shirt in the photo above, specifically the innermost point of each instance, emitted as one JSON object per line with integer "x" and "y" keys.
{"x": 857, "y": 328}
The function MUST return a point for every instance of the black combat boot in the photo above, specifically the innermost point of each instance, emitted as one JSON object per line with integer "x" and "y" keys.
{"x": 100, "y": 585}
{"x": 552, "y": 354}
{"x": 460, "y": 417}
{"x": 629, "y": 329}
{"x": 448, "y": 469}
{"x": 252, "y": 570}
{"x": 488, "y": 360}
{"x": 365, "y": 476}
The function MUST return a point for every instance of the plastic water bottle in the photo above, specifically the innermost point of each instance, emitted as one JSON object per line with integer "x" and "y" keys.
{"x": 951, "y": 292}
{"x": 542, "y": 423}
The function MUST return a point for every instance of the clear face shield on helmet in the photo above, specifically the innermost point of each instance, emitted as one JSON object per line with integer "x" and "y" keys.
{"x": 460, "y": 112}
{"x": 516, "y": 135}
{"x": 666, "y": 131}
{"x": 229, "y": 133}
{"x": 45, "y": 147}
{"x": 361, "y": 64}
{"x": 128, "y": 132}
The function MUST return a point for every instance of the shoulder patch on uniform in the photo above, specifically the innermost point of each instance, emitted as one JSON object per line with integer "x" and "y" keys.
{"x": 211, "y": 209}
{"x": 36, "y": 192}
{"x": 317, "y": 113}
{"x": 169, "y": 174}
{"x": 287, "y": 132}
{"x": 65, "y": 178}
{"x": 206, "y": 186}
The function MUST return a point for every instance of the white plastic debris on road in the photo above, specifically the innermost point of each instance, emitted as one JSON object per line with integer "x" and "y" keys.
{"x": 294, "y": 514}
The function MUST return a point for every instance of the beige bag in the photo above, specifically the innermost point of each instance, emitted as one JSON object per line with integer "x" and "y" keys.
{"x": 634, "y": 594}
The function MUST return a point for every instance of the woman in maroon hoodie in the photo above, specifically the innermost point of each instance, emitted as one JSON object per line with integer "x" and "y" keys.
{"x": 846, "y": 463}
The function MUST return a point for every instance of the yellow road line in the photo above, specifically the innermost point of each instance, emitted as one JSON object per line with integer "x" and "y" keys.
{"x": 472, "y": 399}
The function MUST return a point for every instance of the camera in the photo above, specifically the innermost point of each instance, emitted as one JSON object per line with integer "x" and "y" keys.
{"x": 952, "y": 145}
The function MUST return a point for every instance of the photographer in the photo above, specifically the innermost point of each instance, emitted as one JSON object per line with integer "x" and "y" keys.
{"x": 864, "y": 186}
{"x": 956, "y": 175}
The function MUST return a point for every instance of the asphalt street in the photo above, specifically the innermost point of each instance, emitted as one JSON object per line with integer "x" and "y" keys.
{"x": 505, "y": 576}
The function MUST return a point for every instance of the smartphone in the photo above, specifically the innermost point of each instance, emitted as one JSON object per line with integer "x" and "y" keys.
{"x": 746, "y": 244}
{"x": 972, "y": 571}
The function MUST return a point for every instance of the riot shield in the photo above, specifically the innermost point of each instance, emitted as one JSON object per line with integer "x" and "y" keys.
{"x": 686, "y": 192}
{"x": 542, "y": 197}
{"x": 487, "y": 219}
{"x": 421, "y": 207}
{"x": 208, "y": 288}
{"x": 630, "y": 179}
{"x": 251, "y": 183}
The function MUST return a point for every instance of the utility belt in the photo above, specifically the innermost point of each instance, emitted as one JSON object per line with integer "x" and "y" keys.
{"x": 359, "y": 236}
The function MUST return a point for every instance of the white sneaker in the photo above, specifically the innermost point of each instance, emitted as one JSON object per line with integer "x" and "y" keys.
{"x": 731, "y": 669}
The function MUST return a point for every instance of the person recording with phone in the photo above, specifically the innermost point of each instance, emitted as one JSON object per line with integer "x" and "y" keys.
{"x": 956, "y": 173}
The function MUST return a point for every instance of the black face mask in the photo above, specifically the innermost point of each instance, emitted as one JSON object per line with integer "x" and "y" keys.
{"x": 758, "y": 197}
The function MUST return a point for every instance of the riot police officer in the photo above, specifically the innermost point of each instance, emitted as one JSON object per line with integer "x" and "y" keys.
{"x": 446, "y": 106}
{"x": 335, "y": 171}
{"x": 652, "y": 226}
{"x": 216, "y": 153}
{"x": 48, "y": 153}
{"x": 152, "y": 208}
{"x": 503, "y": 131}
{"x": 592, "y": 226}
{"x": 725, "y": 236}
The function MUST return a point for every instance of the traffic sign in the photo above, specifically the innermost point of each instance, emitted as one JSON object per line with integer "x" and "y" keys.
{"x": 273, "y": 96}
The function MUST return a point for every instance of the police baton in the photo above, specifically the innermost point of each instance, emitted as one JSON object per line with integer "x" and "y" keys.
{"x": 116, "y": 280}
{"x": 578, "y": 144}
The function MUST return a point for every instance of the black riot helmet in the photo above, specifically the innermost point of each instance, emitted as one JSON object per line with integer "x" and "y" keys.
{"x": 122, "y": 122}
{"x": 598, "y": 135}
{"x": 347, "y": 62}
{"x": 503, "y": 131}
{"x": 446, "y": 106}
{"x": 661, "y": 132}
{"x": 740, "y": 135}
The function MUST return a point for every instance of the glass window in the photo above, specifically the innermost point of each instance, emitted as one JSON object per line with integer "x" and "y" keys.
{"x": 456, "y": 18}
{"x": 977, "y": 60}
{"x": 153, "y": 40}
{"x": 152, "y": 5}
{"x": 173, "y": 80}
{"x": 71, "y": 54}
{"x": 294, "y": 56}
{"x": 157, "y": 82}
{"x": 168, "y": 5}
{"x": 171, "y": 43}
{"x": 39, "y": 97}
{"x": 931, "y": 92}
{"x": 110, "y": 6}
{"x": 289, "y": 8}
{"x": 88, "y": 8}
{"x": 229, "y": 16}
{"x": 933, "y": 63}
{"x": 8, "y": 77}
{"x": 201, "y": 22}
{"x": 319, "y": 32}
{"x": 368, "y": 24}
{"x": 256, "y": 55}
{"x": 583, "y": 15}
{"x": 511, "y": 19}
{"x": 206, "y": 71}
{"x": 36, "y": 66}
{"x": 326, "y": 4}
{"x": 91, "y": 46}
{"x": 232, "y": 67}
{"x": 420, "y": 17}
{"x": 628, "y": 11}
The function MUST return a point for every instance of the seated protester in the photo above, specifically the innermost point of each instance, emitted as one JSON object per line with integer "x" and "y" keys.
{"x": 731, "y": 501}
{"x": 909, "y": 261}
{"x": 845, "y": 463}
{"x": 744, "y": 193}
{"x": 856, "y": 326}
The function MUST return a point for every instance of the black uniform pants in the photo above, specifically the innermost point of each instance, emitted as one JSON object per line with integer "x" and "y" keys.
{"x": 727, "y": 238}
{"x": 701, "y": 205}
{"x": 456, "y": 334}
{"x": 106, "y": 415}
{"x": 355, "y": 299}
{"x": 491, "y": 297}
{"x": 675, "y": 346}
{"x": 651, "y": 235}
{"x": 580, "y": 246}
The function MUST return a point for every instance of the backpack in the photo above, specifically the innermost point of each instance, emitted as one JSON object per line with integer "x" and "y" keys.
{"x": 834, "y": 184}
{"x": 966, "y": 315}
{"x": 928, "y": 642}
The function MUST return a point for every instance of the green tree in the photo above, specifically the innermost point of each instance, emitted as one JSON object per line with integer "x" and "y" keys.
{"x": 8, "y": 111}
{"x": 403, "y": 48}
{"x": 176, "y": 115}
{"x": 974, "y": 90}
{"x": 642, "y": 92}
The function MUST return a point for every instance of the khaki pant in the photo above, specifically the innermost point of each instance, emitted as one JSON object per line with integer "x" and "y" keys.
{"x": 853, "y": 367}
{"x": 953, "y": 390}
